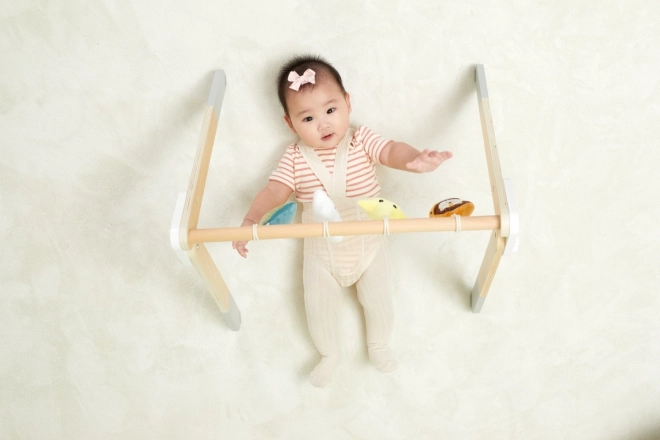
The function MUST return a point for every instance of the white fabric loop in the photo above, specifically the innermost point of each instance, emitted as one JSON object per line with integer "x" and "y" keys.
{"x": 386, "y": 226}
{"x": 326, "y": 230}
{"x": 458, "y": 222}
{"x": 255, "y": 236}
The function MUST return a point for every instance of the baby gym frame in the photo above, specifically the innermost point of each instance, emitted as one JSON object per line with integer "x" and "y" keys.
{"x": 188, "y": 241}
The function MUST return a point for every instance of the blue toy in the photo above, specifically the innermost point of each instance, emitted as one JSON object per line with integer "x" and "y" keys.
{"x": 282, "y": 215}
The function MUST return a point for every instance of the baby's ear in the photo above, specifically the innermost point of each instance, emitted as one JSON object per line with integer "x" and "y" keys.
{"x": 287, "y": 119}
{"x": 347, "y": 96}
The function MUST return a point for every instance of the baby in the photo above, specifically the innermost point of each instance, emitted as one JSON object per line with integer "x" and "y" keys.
{"x": 333, "y": 156}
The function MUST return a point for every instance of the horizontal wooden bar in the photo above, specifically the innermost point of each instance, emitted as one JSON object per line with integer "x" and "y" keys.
{"x": 366, "y": 227}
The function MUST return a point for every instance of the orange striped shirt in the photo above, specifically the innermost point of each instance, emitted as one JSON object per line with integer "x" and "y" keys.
{"x": 363, "y": 155}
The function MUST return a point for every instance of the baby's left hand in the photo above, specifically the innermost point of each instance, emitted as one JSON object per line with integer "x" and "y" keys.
{"x": 428, "y": 161}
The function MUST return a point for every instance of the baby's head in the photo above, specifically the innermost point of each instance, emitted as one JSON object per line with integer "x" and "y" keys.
{"x": 316, "y": 106}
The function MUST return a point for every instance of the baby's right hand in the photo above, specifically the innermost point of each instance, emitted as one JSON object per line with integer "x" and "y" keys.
{"x": 240, "y": 246}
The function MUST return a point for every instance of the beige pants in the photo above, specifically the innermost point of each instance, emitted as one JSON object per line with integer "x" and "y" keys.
{"x": 361, "y": 260}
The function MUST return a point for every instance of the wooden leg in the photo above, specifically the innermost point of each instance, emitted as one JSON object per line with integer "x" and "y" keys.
{"x": 186, "y": 213}
{"x": 487, "y": 272}
{"x": 208, "y": 271}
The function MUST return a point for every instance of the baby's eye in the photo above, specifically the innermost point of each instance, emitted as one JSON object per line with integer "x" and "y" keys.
{"x": 331, "y": 110}
{"x": 307, "y": 119}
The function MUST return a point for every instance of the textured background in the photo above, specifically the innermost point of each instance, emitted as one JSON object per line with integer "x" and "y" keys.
{"x": 104, "y": 334}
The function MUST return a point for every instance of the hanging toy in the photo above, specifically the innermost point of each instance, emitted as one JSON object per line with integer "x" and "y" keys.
{"x": 449, "y": 207}
{"x": 378, "y": 208}
{"x": 281, "y": 215}
{"x": 324, "y": 210}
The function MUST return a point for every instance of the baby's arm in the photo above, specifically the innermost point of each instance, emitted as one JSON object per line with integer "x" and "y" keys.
{"x": 402, "y": 156}
{"x": 271, "y": 196}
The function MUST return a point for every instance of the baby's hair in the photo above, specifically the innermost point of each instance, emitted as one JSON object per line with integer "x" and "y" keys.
{"x": 299, "y": 64}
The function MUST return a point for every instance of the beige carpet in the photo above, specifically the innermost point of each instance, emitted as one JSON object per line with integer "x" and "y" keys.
{"x": 105, "y": 334}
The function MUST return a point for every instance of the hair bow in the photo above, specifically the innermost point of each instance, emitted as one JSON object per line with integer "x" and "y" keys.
{"x": 297, "y": 80}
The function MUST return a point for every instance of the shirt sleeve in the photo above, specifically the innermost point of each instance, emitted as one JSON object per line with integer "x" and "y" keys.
{"x": 285, "y": 171}
{"x": 371, "y": 142}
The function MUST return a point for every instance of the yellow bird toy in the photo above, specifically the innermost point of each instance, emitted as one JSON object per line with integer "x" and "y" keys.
{"x": 378, "y": 208}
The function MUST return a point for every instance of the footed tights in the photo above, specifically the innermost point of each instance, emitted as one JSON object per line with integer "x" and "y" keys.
{"x": 321, "y": 304}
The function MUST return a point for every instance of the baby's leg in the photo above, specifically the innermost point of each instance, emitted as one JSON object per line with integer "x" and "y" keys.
{"x": 321, "y": 303}
{"x": 375, "y": 295}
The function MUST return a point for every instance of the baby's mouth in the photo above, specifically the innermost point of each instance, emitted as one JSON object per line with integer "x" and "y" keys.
{"x": 327, "y": 137}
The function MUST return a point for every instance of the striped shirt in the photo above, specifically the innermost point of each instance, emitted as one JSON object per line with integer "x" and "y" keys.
{"x": 363, "y": 155}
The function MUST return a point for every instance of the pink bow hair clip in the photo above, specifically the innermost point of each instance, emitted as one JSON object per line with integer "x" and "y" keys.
{"x": 297, "y": 80}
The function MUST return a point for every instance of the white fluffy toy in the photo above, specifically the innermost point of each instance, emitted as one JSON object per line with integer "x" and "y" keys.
{"x": 324, "y": 210}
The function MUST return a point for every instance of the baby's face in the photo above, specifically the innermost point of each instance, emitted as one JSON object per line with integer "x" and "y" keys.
{"x": 319, "y": 115}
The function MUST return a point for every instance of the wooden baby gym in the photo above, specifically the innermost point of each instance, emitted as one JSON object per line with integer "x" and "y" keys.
{"x": 188, "y": 241}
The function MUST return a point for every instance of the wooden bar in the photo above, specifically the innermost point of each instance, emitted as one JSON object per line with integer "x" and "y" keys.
{"x": 487, "y": 271}
{"x": 197, "y": 254}
{"x": 306, "y": 230}
{"x": 201, "y": 260}
{"x": 492, "y": 156}
{"x": 200, "y": 168}
{"x": 198, "y": 176}
{"x": 498, "y": 239}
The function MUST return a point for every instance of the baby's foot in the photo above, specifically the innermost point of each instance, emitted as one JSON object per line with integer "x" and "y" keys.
{"x": 323, "y": 372}
{"x": 383, "y": 358}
